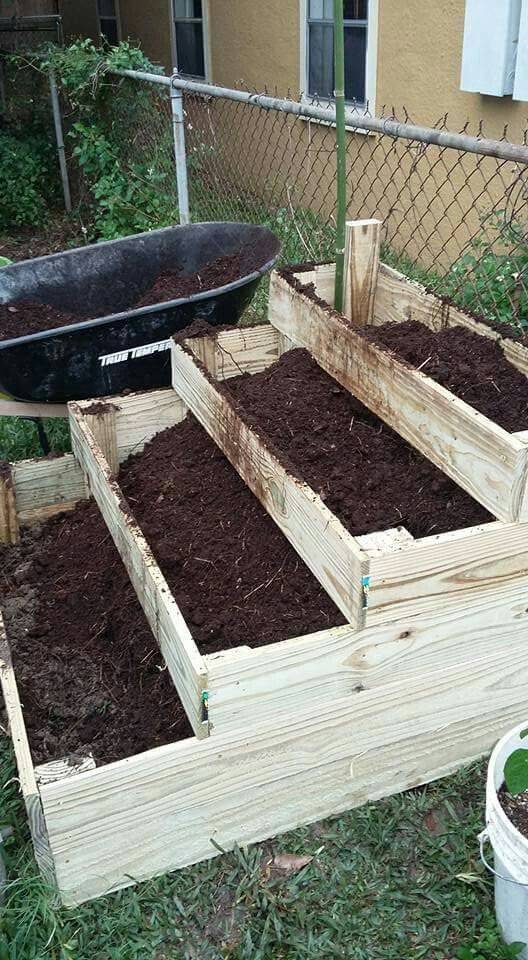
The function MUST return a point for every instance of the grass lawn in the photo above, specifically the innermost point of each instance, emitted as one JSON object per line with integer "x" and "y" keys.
{"x": 393, "y": 880}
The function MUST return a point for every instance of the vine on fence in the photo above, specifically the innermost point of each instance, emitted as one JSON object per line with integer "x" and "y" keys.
{"x": 125, "y": 194}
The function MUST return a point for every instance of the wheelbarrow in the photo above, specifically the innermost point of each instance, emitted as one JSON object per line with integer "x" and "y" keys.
{"x": 124, "y": 348}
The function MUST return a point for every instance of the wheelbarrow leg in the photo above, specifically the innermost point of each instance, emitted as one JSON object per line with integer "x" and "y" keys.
{"x": 42, "y": 435}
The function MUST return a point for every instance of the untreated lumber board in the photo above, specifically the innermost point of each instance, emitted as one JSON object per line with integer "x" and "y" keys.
{"x": 318, "y": 537}
{"x": 9, "y": 528}
{"x": 102, "y": 424}
{"x": 399, "y": 299}
{"x": 44, "y": 487}
{"x": 432, "y": 571}
{"x": 251, "y": 686}
{"x": 245, "y": 350}
{"x": 362, "y": 249}
{"x": 179, "y": 804}
{"x": 23, "y": 408}
{"x": 185, "y": 664}
{"x": 488, "y": 462}
{"x": 26, "y": 772}
{"x": 63, "y": 769}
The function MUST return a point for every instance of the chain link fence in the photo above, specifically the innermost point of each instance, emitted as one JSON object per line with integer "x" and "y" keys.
{"x": 453, "y": 206}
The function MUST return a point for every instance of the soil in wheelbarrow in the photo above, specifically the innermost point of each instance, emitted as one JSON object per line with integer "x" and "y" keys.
{"x": 23, "y": 317}
{"x": 472, "y": 367}
{"x": 368, "y": 476}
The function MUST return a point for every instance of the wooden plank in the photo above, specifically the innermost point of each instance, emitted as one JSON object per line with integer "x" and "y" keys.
{"x": 26, "y": 772}
{"x": 247, "y": 687}
{"x": 185, "y": 664}
{"x": 480, "y": 456}
{"x": 9, "y": 530}
{"x": 44, "y": 484}
{"x": 63, "y": 769}
{"x": 101, "y": 421}
{"x": 21, "y": 408}
{"x": 13, "y": 707}
{"x": 178, "y": 804}
{"x": 516, "y": 353}
{"x": 362, "y": 249}
{"x": 398, "y": 299}
{"x": 318, "y": 537}
{"x": 433, "y": 570}
{"x": 245, "y": 350}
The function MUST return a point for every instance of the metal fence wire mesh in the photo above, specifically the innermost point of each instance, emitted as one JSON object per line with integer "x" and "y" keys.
{"x": 454, "y": 219}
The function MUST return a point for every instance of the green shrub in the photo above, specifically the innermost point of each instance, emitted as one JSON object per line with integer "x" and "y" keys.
{"x": 25, "y": 185}
{"x": 129, "y": 190}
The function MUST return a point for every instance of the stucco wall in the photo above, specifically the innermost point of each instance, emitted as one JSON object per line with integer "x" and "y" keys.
{"x": 255, "y": 43}
{"x": 149, "y": 24}
{"x": 419, "y": 61}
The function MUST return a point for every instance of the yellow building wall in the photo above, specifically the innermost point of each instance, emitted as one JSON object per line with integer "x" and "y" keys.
{"x": 255, "y": 43}
{"x": 419, "y": 63}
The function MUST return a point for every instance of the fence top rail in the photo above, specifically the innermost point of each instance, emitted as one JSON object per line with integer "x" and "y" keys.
{"x": 482, "y": 146}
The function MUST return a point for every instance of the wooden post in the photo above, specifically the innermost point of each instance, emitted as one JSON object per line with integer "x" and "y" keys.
{"x": 9, "y": 530}
{"x": 101, "y": 421}
{"x": 362, "y": 250}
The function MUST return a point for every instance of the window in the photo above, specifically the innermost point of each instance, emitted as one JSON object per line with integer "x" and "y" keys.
{"x": 320, "y": 49}
{"x": 108, "y": 17}
{"x": 189, "y": 37}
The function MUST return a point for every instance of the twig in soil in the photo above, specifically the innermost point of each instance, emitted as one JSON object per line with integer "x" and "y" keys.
{"x": 425, "y": 361}
{"x": 265, "y": 585}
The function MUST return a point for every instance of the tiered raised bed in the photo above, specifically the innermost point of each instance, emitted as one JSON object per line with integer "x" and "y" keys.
{"x": 429, "y": 669}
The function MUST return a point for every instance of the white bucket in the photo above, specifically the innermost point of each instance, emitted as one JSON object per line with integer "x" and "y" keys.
{"x": 510, "y": 849}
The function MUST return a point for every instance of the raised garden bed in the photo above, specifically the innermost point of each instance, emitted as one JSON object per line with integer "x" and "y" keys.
{"x": 491, "y": 463}
{"x": 428, "y": 671}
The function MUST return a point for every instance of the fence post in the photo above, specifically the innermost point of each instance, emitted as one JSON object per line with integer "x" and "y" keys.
{"x": 178, "y": 129}
{"x": 57, "y": 119}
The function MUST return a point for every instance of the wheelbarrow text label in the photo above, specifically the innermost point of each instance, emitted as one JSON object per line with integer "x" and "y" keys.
{"x": 134, "y": 352}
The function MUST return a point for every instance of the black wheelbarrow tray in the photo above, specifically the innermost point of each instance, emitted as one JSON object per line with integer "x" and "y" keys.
{"x": 123, "y": 348}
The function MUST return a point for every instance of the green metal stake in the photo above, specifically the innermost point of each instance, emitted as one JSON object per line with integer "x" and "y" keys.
{"x": 339, "y": 82}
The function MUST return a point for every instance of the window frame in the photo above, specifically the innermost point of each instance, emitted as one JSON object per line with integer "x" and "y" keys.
{"x": 116, "y": 17}
{"x": 205, "y": 34}
{"x": 371, "y": 56}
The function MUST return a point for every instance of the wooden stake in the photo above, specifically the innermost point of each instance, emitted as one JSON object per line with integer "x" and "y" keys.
{"x": 362, "y": 250}
{"x": 9, "y": 530}
{"x": 101, "y": 421}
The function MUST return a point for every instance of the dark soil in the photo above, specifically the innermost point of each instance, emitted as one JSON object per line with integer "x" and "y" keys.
{"x": 472, "y": 367}
{"x": 23, "y": 317}
{"x": 367, "y": 475}
{"x": 515, "y": 808}
{"x": 172, "y": 284}
{"x": 90, "y": 674}
{"x": 235, "y": 576}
